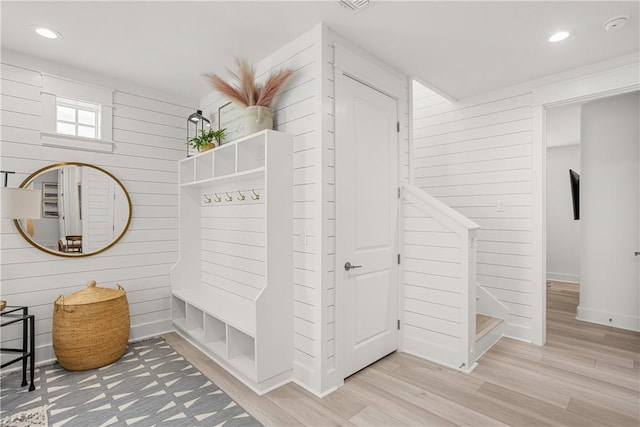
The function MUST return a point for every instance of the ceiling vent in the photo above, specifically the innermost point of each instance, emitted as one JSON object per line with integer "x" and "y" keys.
{"x": 354, "y": 5}
{"x": 617, "y": 22}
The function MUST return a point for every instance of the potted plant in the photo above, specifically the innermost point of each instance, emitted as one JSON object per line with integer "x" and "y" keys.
{"x": 255, "y": 98}
{"x": 204, "y": 141}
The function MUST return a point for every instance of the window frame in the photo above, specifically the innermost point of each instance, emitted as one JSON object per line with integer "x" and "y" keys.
{"x": 79, "y": 96}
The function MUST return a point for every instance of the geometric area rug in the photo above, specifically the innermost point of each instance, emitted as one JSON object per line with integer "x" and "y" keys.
{"x": 151, "y": 385}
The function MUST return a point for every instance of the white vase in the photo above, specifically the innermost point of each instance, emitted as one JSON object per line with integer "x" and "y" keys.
{"x": 257, "y": 118}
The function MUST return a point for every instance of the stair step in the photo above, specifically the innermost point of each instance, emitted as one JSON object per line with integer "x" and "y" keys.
{"x": 485, "y": 324}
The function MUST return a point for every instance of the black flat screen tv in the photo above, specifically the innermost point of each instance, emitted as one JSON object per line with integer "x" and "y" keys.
{"x": 575, "y": 193}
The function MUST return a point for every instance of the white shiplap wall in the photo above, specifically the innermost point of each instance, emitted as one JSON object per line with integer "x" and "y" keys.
{"x": 297, "y": 112}
{"x": 433, "y": 289}
{"x": 475, "y": 156}
{"x": 148, "y": 133}
{"x": 330, "y": 39}
{"x": 305, "y": 110}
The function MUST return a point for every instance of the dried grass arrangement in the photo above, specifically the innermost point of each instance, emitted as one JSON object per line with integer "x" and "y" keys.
{"x": 246, "y": 92}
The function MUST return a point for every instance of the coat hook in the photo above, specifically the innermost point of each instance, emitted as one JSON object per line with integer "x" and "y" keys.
{"x": 217, "y": 199}
{"x": 228, "y": 198}
{"x": 207, "y": 199}
{"x": 255, "y": 196}
{"x": 241, "y": 197}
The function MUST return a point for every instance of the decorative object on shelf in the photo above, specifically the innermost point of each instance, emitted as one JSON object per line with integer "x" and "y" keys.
{"x": 231, "y": 116}
{"x": 3, "y": 304}
{"x": 204, "y": 141}
{"x": 192, "y": 121}
{"x": 91, "y": 327}
{"x": 255, "y": 98}
{"x": 20, "y": 203}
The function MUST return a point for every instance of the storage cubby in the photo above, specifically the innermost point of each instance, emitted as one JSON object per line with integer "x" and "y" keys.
{"x": 241, "y": 349}
{"x": 179, "y": 312}
{"x": 233, "y": 294}
{"x": 224, "y": 160}
{"x": 251, "y": 155}
{"x": 215, "y": 335}
{"x": 195, "y": 322}
{"x": 187, "y": 170}
{"x": 203, "y": 166}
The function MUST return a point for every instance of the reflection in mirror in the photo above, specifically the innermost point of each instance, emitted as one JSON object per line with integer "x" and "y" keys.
{"x": 85, "y": 210}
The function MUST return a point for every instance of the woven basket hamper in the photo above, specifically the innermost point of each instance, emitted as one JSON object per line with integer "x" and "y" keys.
{"x": 90, "y": 327}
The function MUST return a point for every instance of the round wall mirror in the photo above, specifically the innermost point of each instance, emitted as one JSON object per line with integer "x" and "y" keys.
{"x": 85, "y": 210}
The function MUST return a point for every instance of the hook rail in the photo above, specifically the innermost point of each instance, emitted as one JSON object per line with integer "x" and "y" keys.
{"x": 229, "y": 198}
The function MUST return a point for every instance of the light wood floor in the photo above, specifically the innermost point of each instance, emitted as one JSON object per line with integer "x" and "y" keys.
{"x": 586, "y": 375}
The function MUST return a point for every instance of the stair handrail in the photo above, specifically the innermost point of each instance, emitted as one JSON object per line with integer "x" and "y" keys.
{"x": 466, "y": 230}
{"x": 444, "y": 214}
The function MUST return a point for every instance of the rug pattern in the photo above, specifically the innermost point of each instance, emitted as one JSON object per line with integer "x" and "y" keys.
{"x": 151, "y": 385}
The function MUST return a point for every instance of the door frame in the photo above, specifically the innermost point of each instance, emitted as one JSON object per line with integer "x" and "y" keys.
{"x": 348, "y": 64}
{"x": 604, "y": 84}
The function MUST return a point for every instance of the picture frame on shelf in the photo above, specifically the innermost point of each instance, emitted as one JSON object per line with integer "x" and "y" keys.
{"x": 49, "y": 190}
{"x": 231, "y": 117}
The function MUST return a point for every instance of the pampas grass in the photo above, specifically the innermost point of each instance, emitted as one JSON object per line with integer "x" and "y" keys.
{"x": 247, "y": 92}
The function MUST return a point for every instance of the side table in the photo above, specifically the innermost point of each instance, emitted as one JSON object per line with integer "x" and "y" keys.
{"x": 15, "y": 314}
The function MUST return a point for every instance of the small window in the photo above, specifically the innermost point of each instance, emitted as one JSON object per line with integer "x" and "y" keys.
{"x": 77, "y": 118}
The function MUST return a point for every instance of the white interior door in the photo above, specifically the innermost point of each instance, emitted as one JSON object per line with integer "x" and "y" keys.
{"x": 366, "y": 223}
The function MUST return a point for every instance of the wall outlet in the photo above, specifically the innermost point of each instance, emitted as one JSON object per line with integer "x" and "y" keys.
{"x": 501, "y": 206}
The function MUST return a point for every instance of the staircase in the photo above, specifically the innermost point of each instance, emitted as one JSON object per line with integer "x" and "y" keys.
{"x": 449, "y": 318}
{"x": 488, "y": 332}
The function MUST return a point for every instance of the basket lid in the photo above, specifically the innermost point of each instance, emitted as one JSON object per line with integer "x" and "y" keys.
{"x": 91, "y": 294}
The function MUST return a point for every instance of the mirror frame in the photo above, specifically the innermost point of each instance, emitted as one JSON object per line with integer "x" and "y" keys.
{"x": 75, "y": 255}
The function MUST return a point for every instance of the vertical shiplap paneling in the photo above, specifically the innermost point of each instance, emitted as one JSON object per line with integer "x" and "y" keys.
{"x": 148, "y": 135}
{"x": 296, "y": 112}
{"x": 477, "y": 157}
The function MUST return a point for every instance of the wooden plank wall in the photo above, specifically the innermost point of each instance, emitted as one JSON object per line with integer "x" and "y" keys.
{"x": 433, "y": 289}
{"x": 329, "y": 238}
{"x": 233, "y": 239}
{"x": 149, "y": 133}
{"x": 296, "y": 111}
{"x": 476, "y": 156}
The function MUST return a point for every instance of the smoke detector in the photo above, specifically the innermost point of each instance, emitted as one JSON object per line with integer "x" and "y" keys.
{"x": 354, "y": 5}
{"x": 615, "y": 22}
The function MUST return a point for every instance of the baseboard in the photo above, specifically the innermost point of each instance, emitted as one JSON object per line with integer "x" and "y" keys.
{"x": 616, "y": 320}
{"x": 435, "y": 353}
{"x": 561, "y": 277}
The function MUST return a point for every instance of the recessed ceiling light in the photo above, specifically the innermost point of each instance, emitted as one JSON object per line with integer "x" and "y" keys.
{"x": 47, "y": 33}
{"x": 559, "y": 36}
{"x": 615, "y": 22}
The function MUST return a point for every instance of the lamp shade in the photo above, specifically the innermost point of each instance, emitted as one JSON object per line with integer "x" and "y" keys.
{"x": 20, "y": 203}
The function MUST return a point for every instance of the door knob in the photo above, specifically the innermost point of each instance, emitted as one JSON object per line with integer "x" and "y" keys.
{"x": 348, "y": 266}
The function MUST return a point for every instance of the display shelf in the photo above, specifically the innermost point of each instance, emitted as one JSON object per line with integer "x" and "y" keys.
{"x": 179, "y": 313}
{"x": 195, "y": 322}
{"x": 224, "y": 161}
{"x": 203, "y": 166}
{"x": 249, "y": 334}
{"x": 251, "y": 155}
{"x": 215, "y": 335}
{"x": 187, "y": 170}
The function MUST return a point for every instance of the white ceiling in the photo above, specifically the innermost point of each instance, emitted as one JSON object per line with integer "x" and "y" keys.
{"x": 459, "y": 48}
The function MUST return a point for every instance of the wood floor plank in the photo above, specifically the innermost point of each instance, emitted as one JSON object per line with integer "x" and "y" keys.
{"x": 586, "y": 375}
{"x": 371, "y": 416}
{"x": 404, "y": 411}
{"x": 551, "y": 414}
